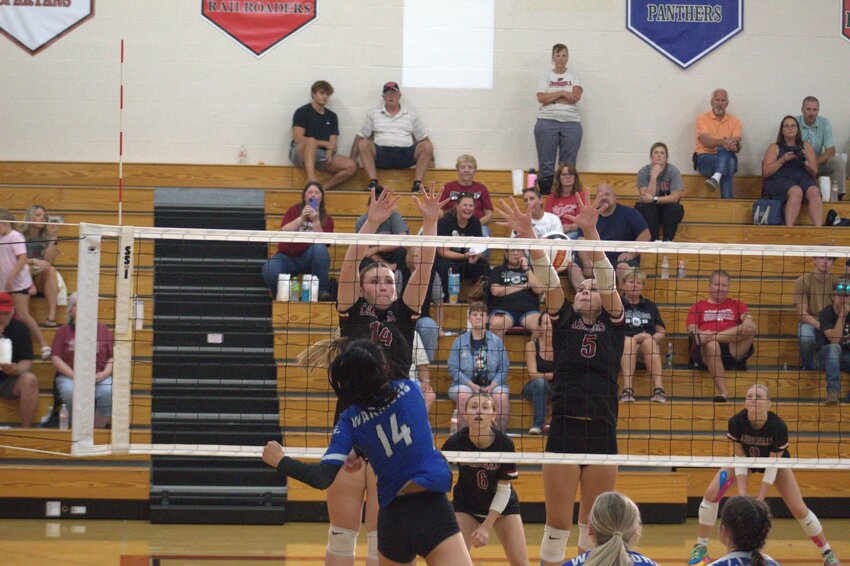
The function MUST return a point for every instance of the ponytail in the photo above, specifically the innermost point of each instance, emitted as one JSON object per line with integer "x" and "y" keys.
{"x": 747, "y": 523}
{"x": 615, "y": 520}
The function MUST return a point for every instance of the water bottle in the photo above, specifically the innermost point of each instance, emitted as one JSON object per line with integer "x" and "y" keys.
{"x": 64, "y": 417}
{"x": 295, "y": 290}
{"x": 669, "y": 355}
{"x": 243, "y": 155}
{"x": 306, "y": 285}
{"x": 681, "y": 271}
{"x": 531, "y": 179}
{"x": 833, "y": 193}
{"x": 453, "y": 423}
{"x": 665, "y": 268}
{"x": 283, "y": 281}
{"x": 5, "y": 350}
{"x": 454, "y": 287}
{"x": 314, "y": 289}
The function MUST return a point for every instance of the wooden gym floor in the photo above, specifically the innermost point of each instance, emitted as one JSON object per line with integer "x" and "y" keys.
{"x": 139, "y": 543}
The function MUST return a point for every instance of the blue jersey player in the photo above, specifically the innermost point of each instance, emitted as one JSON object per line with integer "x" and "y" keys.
{"x": 387, "y": 423}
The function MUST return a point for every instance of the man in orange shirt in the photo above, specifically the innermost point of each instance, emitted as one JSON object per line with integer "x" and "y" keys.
{"x": 718, "y": 143}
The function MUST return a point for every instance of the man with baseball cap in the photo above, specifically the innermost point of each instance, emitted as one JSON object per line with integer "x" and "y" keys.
{"x": 834, "y": 340}
{"x": 16, "y": 379}
{"x": 392, "y": 137}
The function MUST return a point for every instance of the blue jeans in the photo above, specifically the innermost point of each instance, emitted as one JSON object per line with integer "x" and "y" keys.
{"x": 833, "y": 359}
{"x": 723, "y": 162}
{"x": 807, "y": 335}
{"x": 537, "y": 391}
{"x": 102, "y": 395}
{"x": 556, "y": 140}
{"x": 429, "y": 332}
{"x": 315, "y": 260}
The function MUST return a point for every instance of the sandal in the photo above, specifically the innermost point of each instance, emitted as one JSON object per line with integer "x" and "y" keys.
{"x": 50, "y": 323}
{"x": 658, "y": 395}
{"x": 45, "y": 352}
{"x": 628, "y": 395}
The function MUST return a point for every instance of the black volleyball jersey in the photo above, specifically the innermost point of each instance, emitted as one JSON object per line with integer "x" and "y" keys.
{"x": 771, "y": 438}
{"x": 477, "y": 481}
{"x": 587, "y": 361}
{"x": 392, "y": 328}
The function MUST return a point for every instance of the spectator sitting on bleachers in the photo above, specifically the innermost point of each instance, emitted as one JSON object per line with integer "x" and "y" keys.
{"x": 540, "y": 365}
{"x": 392, "y": 255}
{"x": 834, "y": 340}
{"x": 42, "y": 251}
{"x": 789, "y": 168}
{"x": 15, "y": 276}
{"x": 660, "y": 187}
{"x": 812, "y": 293}
{"x": 721, "y": 332}
{"x": 17, "y": 381}
{"x": 514, "y": 296}
{"x": 307, "y": 216}
{"x": 466, "y": 167}
{"x": 566, "y": 190}
{"x": 645, "y": 333}
{"x": 615, "y": 222}
{"x": 543, "y": 222}
{"x": 63, "y": 360}
{"x": 315, "y": 129}
{"x": 479, "y": 362}
{"x": 470, "y": 263}
{"x": 420, "y": 370}
{"x": 718, "y": 143}
{"x": 817, "y": 130}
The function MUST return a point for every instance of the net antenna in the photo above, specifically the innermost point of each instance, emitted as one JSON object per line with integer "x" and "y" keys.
{"x": 129, "y": 239}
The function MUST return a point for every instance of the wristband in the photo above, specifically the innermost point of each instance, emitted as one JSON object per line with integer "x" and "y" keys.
{"x": 604, "y": 274}
{"x": 543, "y": 270}
{"x": 741, "y": 471}
{"x": 500, "y": 500}
{"x": 770, "y": 475}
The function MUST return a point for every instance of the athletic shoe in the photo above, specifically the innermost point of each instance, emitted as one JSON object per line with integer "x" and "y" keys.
{"x": 373, "y": 184}
{"x": 535, "y": 430}
{"x": 699, "y": 555}
{"x": 830, "y": 559}
{"x": 628, "y": 395}
{"x": 417, "y": 186}
{"x": 832, "y": 398}
{"x": 712, "y": 184}
{"x": 658, "y": 396}
{"x": 830, "y": 217}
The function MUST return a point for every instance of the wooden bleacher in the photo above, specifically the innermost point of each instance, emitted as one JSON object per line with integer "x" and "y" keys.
{"x": 87, "y": 192}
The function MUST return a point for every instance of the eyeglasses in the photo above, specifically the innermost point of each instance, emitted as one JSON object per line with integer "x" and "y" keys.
{"x": 568, "y": 173}
{"x": 458, "y": 196}
{"x": 842, "y": 289}
{"x": 789, "y": 125}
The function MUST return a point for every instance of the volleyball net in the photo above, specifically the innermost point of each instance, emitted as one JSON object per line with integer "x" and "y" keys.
{"x": 183, "y": 407}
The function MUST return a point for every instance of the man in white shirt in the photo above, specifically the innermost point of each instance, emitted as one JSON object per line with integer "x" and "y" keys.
{"x": 392, "y": 137}
{"x": 543, "y": 222}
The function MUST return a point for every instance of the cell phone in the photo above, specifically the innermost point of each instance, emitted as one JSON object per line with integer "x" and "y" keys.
{"x": 314, "y": 203}
{"x": 56, "y": 219}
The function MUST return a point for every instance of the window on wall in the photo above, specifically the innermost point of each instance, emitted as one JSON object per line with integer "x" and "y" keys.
{"x": 448, "y": 44}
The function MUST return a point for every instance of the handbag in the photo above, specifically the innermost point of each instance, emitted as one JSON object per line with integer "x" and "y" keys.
{"x": 767, "y": 212}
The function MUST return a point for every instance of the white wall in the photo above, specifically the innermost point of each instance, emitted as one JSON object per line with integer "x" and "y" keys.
{"x": 194, "y": 96}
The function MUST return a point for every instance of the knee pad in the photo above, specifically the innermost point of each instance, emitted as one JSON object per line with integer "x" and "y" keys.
{"x": 811, "y": 525}
{"x": 554, "y": 545}
{"x": 584, "y": 540}
{"x": 708, "y": 513}
{"x": 372, "y": 545}
{"x": 341, "y": 542}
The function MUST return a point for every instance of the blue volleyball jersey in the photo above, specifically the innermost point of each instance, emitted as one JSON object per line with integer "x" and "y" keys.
{"x": 637, "y": 558}
{"x": 738, "y": 558}
{"x": 398, "y": 441}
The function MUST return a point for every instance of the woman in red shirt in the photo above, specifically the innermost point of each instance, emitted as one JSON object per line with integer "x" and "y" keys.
{"x": 566, "y": 190}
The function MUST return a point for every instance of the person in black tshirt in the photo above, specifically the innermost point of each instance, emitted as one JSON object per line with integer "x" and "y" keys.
{"x": 315, "y": 129}
{"x": 369, "y": 308}
{"x": 17, "y": 381}
{"x": 757, "y": 432}
{"x": 483, "y": 497}
{"x": 644, "y": 336}
{"x": 588, "y": 336}
{"x": 833, "y": 340}
{"x": 471, "y": 264}
{"x": 514, "y": 294}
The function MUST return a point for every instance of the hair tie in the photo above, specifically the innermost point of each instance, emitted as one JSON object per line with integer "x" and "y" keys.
{"x": 617, "y": 533}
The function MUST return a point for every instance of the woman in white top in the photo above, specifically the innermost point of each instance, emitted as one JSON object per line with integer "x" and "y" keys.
{"x": 557, "y": 132}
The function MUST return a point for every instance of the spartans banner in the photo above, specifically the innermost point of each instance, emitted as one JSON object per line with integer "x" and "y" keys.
{"x": 34, "y": 24}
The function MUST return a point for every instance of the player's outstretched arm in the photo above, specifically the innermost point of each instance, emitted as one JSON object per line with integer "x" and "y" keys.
{"x": 430, "y": 207}
{"x": 319, "y": 476}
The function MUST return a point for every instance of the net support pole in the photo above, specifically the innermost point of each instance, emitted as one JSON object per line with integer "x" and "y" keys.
{"x": 85, "y": 352}
{"x": 123, "y": 350}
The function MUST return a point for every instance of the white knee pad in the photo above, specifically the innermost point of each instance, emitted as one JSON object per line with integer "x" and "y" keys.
{"x": 372, "y": 545}
{"x": 708, "y": 513}
{"x": 341, "y": 542}
{"x": 811, "y": 525}
{"x": 554, "y": 545}
{"x": 584, "y": 540}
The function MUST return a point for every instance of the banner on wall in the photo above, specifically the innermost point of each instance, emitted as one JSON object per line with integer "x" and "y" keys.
{"x": 845, "y": 19}
{"x": 35, "y": 24}
{"x": 685, "y": 31}
{"x": 256, "y": 25}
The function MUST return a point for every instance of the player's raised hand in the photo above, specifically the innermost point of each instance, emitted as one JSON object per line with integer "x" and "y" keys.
{"x": 517, "y": 220}
{"x": 428, "y": 204}
{"x": 587, "y": 216}
{"x": 382, "y": 206}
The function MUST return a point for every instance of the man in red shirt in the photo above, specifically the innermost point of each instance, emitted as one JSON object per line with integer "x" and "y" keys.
{"x": 721, "y": 332}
